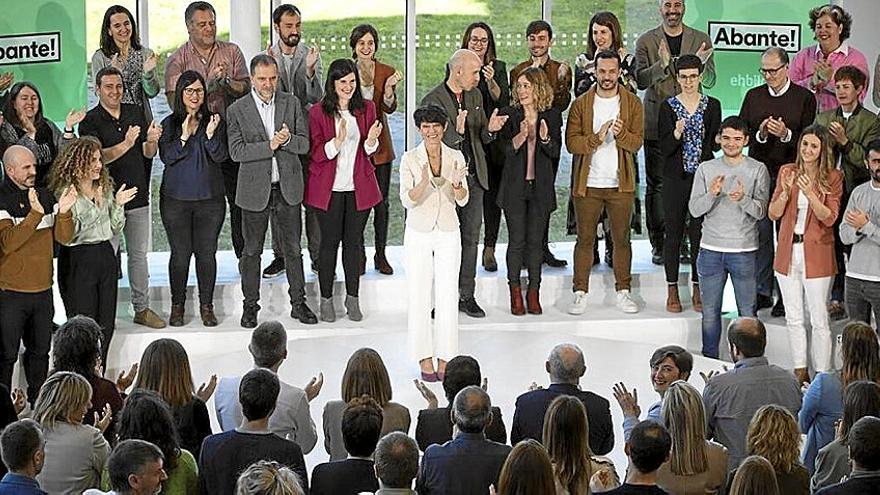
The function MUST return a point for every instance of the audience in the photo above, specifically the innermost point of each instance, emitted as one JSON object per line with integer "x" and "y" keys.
{"x": 361, "y": 425}
{"x": 136, "y": 468}
{"x": 527, "y": 471}
{"x": 733, "y": 397}
{"x": 397, "y": 464}
{"x": 226, "y": 454}
{"x": 22, "y": 447}
{"x": 755, "y": 476}
{"x": 864, "y": 450}
{"x": 773, "y": 434}
{"x": 469, "y": 461}
{"x": 566, "y": 366}
{"x": 647, "y": 449}
{"x": 268, "y": 478}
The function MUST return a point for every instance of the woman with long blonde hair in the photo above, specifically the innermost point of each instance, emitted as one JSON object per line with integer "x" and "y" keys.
{"x": 807, "y": 202}
{"x": 773, "y": 434}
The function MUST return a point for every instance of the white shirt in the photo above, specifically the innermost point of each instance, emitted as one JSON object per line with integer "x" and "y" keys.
{"x": 347, "y": 152}
{"x": 603, "y": 164}
{"x": 435, "y": 210}
{"x": 267, "y": 115}
{"x": 803, "y": 206}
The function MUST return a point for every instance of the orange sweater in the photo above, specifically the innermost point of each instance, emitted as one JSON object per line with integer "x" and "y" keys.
{"x": 26, "y": 249}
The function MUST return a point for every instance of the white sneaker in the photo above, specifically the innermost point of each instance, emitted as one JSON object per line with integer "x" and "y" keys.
{"x": 625, "y": 302}
{"x": 579, "y": 304}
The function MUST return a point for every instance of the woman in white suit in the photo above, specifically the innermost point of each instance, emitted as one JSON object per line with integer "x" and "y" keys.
{"x": 432, "y": 184}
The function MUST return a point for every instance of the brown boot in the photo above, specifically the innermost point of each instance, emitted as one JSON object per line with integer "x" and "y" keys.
{"x": 533, "y": 302}
{"x": 380, "y": 262}
{"x": 489, "y": 262}
{"x": 207, "y": 312}
{"x": 696, "y": 299}
{"x": 673, "y": 303}
{"x": 176, "y": 318}
{"x": 516, "y": 301}
{"x": 802, "y": 375}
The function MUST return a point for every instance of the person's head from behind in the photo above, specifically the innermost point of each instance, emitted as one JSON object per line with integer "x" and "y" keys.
{"x": 861, "y": 353}
{"x": 689, "y": 73}
{"x": 755, "y": 476}
{"x": 684, "y": 416}
{"x": 566, "y": 436}
{"x": 22, "y": 447}
{"x": 669, "y": 364}
{"x": 464, "y": 69}
{"x": 472, "y": 410}
{"x": 365, "y": 374}
{"x": 733, "y": 136}
{"x": 860, "y": 398}
{"x": 461, "y": 371}
{"x": 268, "y": 344}
{"x": 864, "y": 444}
{"x": 77, "y": 346}
{"x": 268, "y": 478}
{"x": 527, "y": 471}
{"x": 396, "y": 461}
{"x": 145, "y": 416}
{"x": 648, "y": 446}
{"x": 164, "y": 368}
{"x": 20, "y": 166}
{"x": 774, "y": 435}
{"x": 849, "y": 82}
{"x": 136, "y": 468}
{"x": 258, "y": 393}
{"x": 65, "y": 397}
{"x": 361, "y": 426}
{"x": 565, "y": 364}
{"x": 747, "y": 338}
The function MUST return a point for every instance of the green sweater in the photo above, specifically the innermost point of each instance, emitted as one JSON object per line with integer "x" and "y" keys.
{"x": 183, "y": 480}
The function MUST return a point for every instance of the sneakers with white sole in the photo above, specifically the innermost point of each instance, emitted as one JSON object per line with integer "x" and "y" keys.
{"x": 579, "y": 304}
{"x": 625, "y": 302}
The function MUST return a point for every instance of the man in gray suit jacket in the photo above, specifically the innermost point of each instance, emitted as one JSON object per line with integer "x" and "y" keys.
{"x": 467, "y": 130}
{"x": 270, "y": 182}
{"x": 656, "y": 53}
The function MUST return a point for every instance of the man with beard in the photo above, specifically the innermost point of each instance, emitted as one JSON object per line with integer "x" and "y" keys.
{"x": 300, "y": 74}
{"x": 656, "y": 53}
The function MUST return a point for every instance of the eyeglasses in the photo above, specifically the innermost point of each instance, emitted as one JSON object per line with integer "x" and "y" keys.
{"x": 772, "y": 72}
{"x": 479, "y": 41}
{"x": 689, "y": 77}
{"x": 193, "y": 91}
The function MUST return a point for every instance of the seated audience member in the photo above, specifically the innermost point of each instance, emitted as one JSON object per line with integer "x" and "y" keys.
{"x": 75, "y": 453}
{"x": 136, "y": 468}
{"x": 566, "y": 366}
{"x": 164, "y": 369}
{"x": 361, "y": 424}
{"x": 22, "y": 447}
{"x": 696, "y": 466}
{"x": 860, "y": 399}
{"x": 773, "y": 435}
{"x": 147, "y": 417}
{"x": 268, "y": 478}
{"x": 527, "y": 471}
{"x": 397, "y": 464}
{"x": 469, "y": 462}
{"x": 575, "y": 468}
{"x": 648, "y": 448}
{"x": 365, "y": 373}
{"x": 434, "y": 424}
{"x": 755, "y": 476}
{"x": 669, "y": 364}
{"x": 823, "y": 401}
{"x": 226, "y": 454}
{"x": 292, "y": 418}
{"x": 864, "y": 450}
{"x": 733, "y": 397}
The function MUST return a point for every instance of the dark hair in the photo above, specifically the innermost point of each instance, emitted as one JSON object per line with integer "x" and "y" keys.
{"x": 874, "y": 146}
{"x": 609, "y": 20}
{"x": 861, "y": 353}
{"x": 755, "y": 475}
{"x": 164, "y": 367}
{"x": 108, "y": 46}
{"x": 852, "y": 74}
{"x": 338, "y": 69}
{"x": 19, "y": 442}
{"x": 837, "y": 14}
{"x": 490, "y": 48}
{"x": 145, "y": 416}
{"x": 780, "y": 53}
{"x": 194, "y": 6}
{"x": 737, "y": 124}
{"x": 747, "y": 333}
{"x": 397, "y": 460}
{"x": 107, "y": 71}
{"x": 461, "y": 371}
{"x": 258, "y": 393}
{"x": 536, "y": 27}
{"x": 435, "y": 114}
{"x": 264, "y": 60}
{"x": 365, "y": 373}
{"x": 130, "y": 457}
{"x": 608, "y": 55}
{"x": 359, "y": 32}
{"x": 683, "y": 359}
{"x": 649, "y": 445}
{"x": 284, "y": 8}
{"x": 688, "y": 61}
{"x": 864, "y": 443}
{"x": 186, "y": 79}
{"x": 860, "y": 398}
{"x": 527, "y": 471}
{"x": 11, "y": 114}
{"x": 268, "y": 343}
{"x": 472, "y": 409}
{"x": 76, "y": 346}
{"x": 361, "y": 426}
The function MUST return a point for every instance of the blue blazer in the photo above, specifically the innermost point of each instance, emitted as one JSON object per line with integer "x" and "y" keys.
{"x": 822, "y": 406}
{"x": 466, "y": 465}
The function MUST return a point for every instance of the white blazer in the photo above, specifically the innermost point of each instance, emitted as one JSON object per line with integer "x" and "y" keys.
{"x": 436, "y": 208}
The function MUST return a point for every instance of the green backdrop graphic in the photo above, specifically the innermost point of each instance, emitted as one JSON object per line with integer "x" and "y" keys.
{"x": 62, "y": 84}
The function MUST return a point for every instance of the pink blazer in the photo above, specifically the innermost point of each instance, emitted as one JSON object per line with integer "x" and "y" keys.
{"x": 322, "y": 170}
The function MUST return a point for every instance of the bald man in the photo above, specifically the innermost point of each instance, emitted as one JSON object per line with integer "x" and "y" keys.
{"x": 467, "y": 130}
{"x": 30, "y": 220}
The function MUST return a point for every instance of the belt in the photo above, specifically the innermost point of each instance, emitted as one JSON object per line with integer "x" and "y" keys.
{"x": 276, "y": 185}
{"x": 797, "y": 239}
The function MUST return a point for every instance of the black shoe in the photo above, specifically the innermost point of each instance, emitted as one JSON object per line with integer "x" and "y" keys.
{"x": 595, "y": 257}
{"x": 315, "y": 267}
{"x": 470, "y": 307}
{"x": 432, "y": 313}
{"x": 249, "y": 316}
{"x": 553, "y": 261}
{"x": 275, "y": 268}
{"x": 778, "y": 308}
{"x": 657, "y": 256}
{"x": 763, "y": 301}
{"x": 300, "y": 311}
{"x": 609, "y": 256}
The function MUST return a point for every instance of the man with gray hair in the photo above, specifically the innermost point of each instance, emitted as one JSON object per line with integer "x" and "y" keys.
{"x": 467, "y": 130}
{"x": 566, "y": 366}
{"x": 135, "y": 468}
{"x": 468, "y": 463}
{"x": 291, "y": 418}
{"x": 396, "y": 464}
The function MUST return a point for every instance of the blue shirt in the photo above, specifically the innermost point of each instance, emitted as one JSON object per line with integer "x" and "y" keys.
{"x": 630, "y": 422}
{"x": 16, "y": 484}
{"x": 192, "y": 170}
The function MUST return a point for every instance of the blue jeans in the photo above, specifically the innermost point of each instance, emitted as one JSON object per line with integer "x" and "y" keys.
{"x": 713, "y": 268}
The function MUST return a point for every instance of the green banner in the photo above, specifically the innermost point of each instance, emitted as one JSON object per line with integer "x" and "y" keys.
{"x": 43, "y": 42}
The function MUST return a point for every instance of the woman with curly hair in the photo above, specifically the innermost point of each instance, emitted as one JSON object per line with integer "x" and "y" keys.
{"x": 268, "y": 478}
{"x": 773, "y": 434}
{"x": 87, "y": 274}
{"x": 755, "y": 476}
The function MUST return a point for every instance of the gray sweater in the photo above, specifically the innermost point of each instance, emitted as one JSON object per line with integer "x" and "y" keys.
{"x": 729, "y": 225}
{"x": 864, "y": 261}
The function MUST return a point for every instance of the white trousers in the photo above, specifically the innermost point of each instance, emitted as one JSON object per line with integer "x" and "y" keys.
{"x": 432, "y": 259}
{"x": 794, "y": 286}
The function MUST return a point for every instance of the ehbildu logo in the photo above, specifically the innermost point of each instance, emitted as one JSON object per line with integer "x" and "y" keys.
{"x": 754, "y": 37}
{"x": 31, "y": 48}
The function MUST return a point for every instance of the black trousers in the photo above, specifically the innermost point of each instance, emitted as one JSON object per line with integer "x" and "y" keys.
{"x": 526, "y": 223}
{"x": 491, "y": 210}
{"x": 342, "y": 222}
{"x": 90, "y": 283}
{"x": 26, "y": 317}
{"x": 676, "y": 192}
{"x": 654, "y": 165}
{"x": 193, "y": 228}
{"x": 230, "y": 182}
{"x": 380, "y": 211}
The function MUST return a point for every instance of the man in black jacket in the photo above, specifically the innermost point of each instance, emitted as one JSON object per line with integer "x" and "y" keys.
{"x": 864, "y": 453}
{"x": 361, "y": 427}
